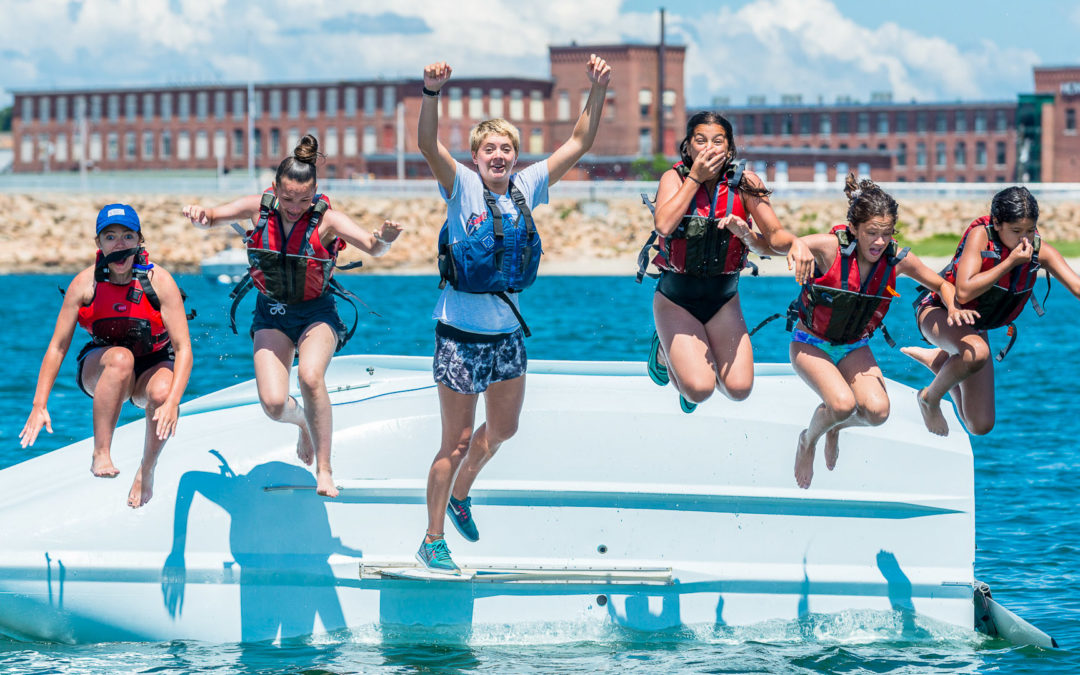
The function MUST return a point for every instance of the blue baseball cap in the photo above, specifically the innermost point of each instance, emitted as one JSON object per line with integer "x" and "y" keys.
{"x": 117, "y": 214}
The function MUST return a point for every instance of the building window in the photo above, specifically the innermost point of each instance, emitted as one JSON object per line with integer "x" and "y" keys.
{"x": 863, "y": 124}
{"x": 920, "y": 154}
{"x": 455, "y": 108}
{"x": 1000, "y": 122}
{"x": 275, "y": 142}
{"x": 536, "y": 141}
{"x": 238, "y": 105}
{"x": 883, "y": 123}
{"x": 112, "y": 148}
{"x": 785, "y": 126}
{"x": 95, "y": 147}
{"x": 667, "y": 101}
{"x": 645, "y": 101}
{"x": 781, "y": 173}
{"x": 747, "y": 126}
{"x": 183, "y": 112}
{"x": 331, "y": 102}
{"x": 166, "y": 107}
{"x": 61, "y": 109}
{"x": 219, "y": 144}
{"x": 1070, "y": 120}
{"x": 980, "y": 121}
{"x": 536, "y": 106}
{"x": 219, "y": 105}
{"x": 95, "y": 108}
{"x": 767, "y": 125}
{"x": 349, "y": 146}
{"x": 26, "y": 146}
{"x": 999, "y": 153}
{"x": 920, "y": 122}
{"x": 43, "y": 110}
{"x": 864, "y": 170}
{"x": 939, "y": 154}
{"x": 166, "y": 145}
{"x": 313, "y": 103}
{"x": 562, "y": 106}
{"x": 61, "y": 148}
{"x": 275, "y": 104}
{"x": 350, "y": 101}
{"x": 183, "y": 145}
{"x": 843, "y": 123}
{"x": 901, "y": 122}
{"x": 389, "y": 99}
{"x": 27, "y": 115}
{"x": 476, "y": 103}
{"x": 257, "y": 141}
{"x": 330, "y": 142}
{"x": 148, "y": 107}
{"x": 841, "y": 172}
{"x": 495, "y": 102}
{"x": 825, "y": 124}
{"x": 294, "y": 103}
{"x": 821, "y": 172}
{"x": 960, "y": 121}
{"x": 960, "y": 154}
{"x": 370, "y": 139}
{"x": 114, "y": 107}
{"x": 292, "y": 139}
{"x": 131, "y": 146}
{"x": 941, "y": 123}
{"x": 202, "y": 145}
{"x": 806, "y": 124}
{"x": 238, "y": 143}
{"x": 517, "y": 105}
{"x": 369, "y": 101}
{"x": 980, "y": 154}
{"x": 202, "y": 105}
{"x": 645, "y": 146}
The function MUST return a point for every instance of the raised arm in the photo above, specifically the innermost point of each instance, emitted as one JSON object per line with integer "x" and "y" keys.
{"x": 241, "y": 209}
{"x": 776, "y": 239}
{"x": 427, "y": 132}
{"x": 175, "y": 319}
{"x": 1051, "y": 259}
{"x": 568, "y": 154}
{"x": 915, "y": 268}
{"x": 971, "y": 282}
{"x": 377, "y": 243}
{"x": 79, "y": 291}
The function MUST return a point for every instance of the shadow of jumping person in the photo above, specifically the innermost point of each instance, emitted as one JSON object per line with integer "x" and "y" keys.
{"x": 280, "y": 541}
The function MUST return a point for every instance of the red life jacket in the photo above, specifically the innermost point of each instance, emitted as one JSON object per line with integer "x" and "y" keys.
{"x": 697, "y": 246}
{"x": 294, "y": 266}
{"x": 1002, "y": 302}
{"x": 125, "y": 315}
{"x": 838, "y": 305}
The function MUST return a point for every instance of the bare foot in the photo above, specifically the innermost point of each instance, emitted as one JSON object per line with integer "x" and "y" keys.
{"x": 325, "y": 484}
{"x": 102, "y": 466}
{"x": 832, "y": 448}
{"x": 931, "y": 415}
{"x": 804, "y": 462}
{"x": 305, "y": 449}
{"x": 142, "y": 489}
{"x": 931, "y": 357}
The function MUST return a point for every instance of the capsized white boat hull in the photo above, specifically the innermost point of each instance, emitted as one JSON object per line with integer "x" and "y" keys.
{"x": 608, "y": 507}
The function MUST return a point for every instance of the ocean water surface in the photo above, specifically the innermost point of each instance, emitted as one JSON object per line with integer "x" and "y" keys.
{"x": 1027, "y": 495}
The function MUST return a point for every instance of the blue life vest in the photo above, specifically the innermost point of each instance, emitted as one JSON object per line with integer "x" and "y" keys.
{"x": 497, "y": 256}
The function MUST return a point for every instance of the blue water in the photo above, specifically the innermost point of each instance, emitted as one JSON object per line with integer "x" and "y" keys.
{"x": 1027, "y": 492}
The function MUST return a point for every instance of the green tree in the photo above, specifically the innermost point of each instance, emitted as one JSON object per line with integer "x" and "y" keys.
{"x": 5, "y": 119}
{"x": 649, "y": 168}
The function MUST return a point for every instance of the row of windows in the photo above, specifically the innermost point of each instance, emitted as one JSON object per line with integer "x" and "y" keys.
{"x": 786, "y": 124}
{"x": 959, "y": 154}
{"x": 161, "y": 145}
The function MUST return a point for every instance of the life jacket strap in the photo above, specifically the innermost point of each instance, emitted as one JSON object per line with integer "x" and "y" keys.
{"x": 644, "y": 256}
{"x": 237, "y": 294}
{"x": 521, "y": 320}
{"x": 1013, "y": 332}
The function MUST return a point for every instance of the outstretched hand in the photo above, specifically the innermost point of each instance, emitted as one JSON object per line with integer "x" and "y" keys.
{"x": 389, "y": 231}
{"x": 198, "y": 216}
{"x": 599, "y": 70}
{"x": 39, "y": 417}
{"x": 436, "y": 75}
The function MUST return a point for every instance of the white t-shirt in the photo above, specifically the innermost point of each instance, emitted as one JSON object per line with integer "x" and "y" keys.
{"x": 483, "y": 312}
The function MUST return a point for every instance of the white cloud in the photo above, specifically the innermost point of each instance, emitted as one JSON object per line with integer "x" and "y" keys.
{"x": 767, "y": 47}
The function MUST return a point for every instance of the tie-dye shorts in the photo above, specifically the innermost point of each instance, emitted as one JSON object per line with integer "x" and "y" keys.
{"x": 469, "y": 362}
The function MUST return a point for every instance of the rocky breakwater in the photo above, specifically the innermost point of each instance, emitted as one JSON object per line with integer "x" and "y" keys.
{"x": 54, "y": 233}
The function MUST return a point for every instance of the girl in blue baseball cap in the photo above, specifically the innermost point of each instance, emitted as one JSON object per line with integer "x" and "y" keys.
{"x": 139, "y": 347}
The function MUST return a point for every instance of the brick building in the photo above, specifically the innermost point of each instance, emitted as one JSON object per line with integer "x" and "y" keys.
{"x": 360, "y": 124}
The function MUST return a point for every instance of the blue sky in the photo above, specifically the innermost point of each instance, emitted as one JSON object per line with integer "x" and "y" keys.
{"x": 916, "y": 49}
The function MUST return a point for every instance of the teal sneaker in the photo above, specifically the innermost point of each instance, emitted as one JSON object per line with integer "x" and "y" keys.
{"x": 461, "y": 516}
{"x": 687, "y": 406}
{"x": 657, "y": 372}
{"x": 436, "y": 557}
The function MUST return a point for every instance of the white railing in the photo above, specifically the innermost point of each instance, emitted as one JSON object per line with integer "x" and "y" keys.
{"x": 158, "y": 183}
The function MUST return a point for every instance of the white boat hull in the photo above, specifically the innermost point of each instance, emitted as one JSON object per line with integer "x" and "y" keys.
{"x": 609, "y": 507}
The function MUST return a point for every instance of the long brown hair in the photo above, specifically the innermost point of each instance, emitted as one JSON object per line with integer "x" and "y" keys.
{"x": 710, "y": 117}
{"x": 866, "y": 200}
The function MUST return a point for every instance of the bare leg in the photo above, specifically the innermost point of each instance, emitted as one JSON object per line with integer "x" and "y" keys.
{"x": 731, "y": 351}
{"x": 273, "y": 361}
{"x": 109, "y": 373}
{"x": 502, "y": 404}
{"x": 151, "y": 391}
{"x": 317, "y": 345}
{"x": 457, "y": 411}
{"x": 838, "y": 404}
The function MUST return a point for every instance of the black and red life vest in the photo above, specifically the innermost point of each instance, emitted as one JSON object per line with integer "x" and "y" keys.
{"x": 841, "y": 307}
{"x": 1001, "y": 303}
{"x": 125, "y": 315}
{"x": 697, "y": 246}
{"x": 294, "y": 266}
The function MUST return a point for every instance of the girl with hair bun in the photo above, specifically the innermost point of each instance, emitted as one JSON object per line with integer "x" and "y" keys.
{"x": 706, "y": 211}
{"x": 293, "y": 244}
{"x": 840, "y": 308}
{"x": 994, "y": 269}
